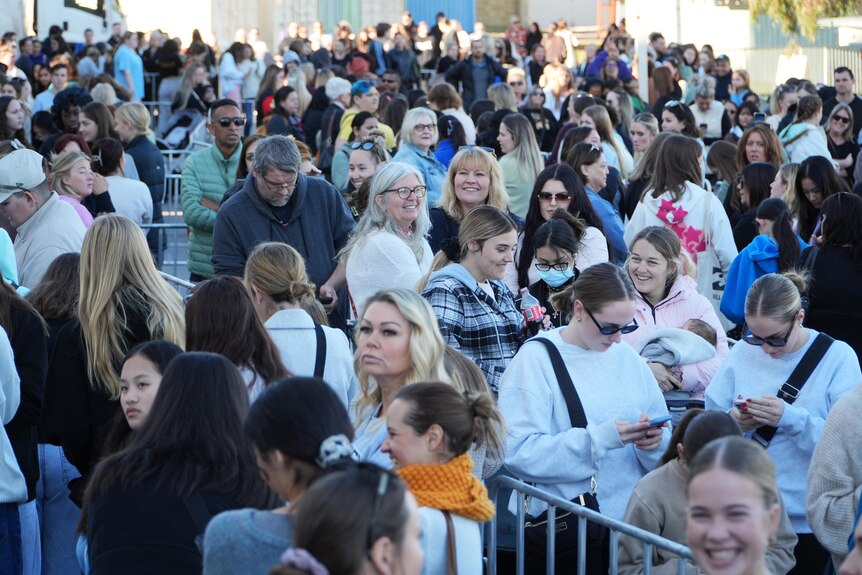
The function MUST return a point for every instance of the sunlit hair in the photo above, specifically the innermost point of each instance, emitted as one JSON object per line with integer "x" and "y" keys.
{"x": 479, "y": 225}
{"x": 667, "y": 244}
{"x": 473, "y": 158}
{"x": 776, "y": 296}
{"x": 296, "y": 79}
{"x": 101, "y": 115}
{"x": 678, "y": 163}
{"x": 136, "y": 115}
{"x": 526, "y": 150}
{"x": 188, "y": 84}
{"x": 646, "y": 163}
{"x": 626, "y": 109}
{"x": 596, "y": 287}
{"x": 376, "y": 218}
{"x": 62, "y": 166}
{"x": 444, "y": 96}
{"x": 278, "y": 271}
{"x": 118, "y": 280}
{"x": 426, "y": 346}
{"x": 605, "y": 129}
{"x": 807, "y": 107}
{"x": 741, "y": 456}
{"x": 503, "y": 97}
{"x": 787, "y": 173}
{"x": 418, "y": 116}
{"x": 770, "y": 142}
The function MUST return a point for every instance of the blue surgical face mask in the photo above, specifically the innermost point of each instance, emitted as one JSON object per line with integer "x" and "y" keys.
{"x": 556, "y": 278}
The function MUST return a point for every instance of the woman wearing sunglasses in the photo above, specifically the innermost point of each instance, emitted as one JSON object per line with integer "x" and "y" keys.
{"x": 618, "y": 446}
{"x": 839, "y": 138}
{"x": 667, "y": 297}
{"x": 751, "y": 386}
{"x": 557, "y": 187}
{"x": 388, "y": 248}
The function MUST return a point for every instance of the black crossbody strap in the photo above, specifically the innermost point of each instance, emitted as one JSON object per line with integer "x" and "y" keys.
{"x": 790, "y": 390}
{"x": 567, "y": 386}
{"x": 320, "y": 359}
{"x": 197, "y": 508}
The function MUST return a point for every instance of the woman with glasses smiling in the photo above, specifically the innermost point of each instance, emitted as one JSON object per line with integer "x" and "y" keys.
{"x": 786, "y": 417}
{"x": 618, "y": 445}
{"x": 418, "y": 136}
{"x": 388, "y": 247}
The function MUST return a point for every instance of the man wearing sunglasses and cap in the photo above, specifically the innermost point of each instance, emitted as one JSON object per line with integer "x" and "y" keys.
{"x": 45, "y": 226}
{"x": 207, "y": 174}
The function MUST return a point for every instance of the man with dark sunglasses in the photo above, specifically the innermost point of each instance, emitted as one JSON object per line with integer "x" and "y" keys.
{"x": 207, "y": 174}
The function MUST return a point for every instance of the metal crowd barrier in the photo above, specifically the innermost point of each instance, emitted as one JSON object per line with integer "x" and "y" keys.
{"x": 185, "y": 287}
{"x": 649, "y": 540}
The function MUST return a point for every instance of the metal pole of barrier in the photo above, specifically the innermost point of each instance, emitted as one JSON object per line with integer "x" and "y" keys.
{"x": 582, "y": 546}
{"x": 614, "y": 558}
{"x": 492, "y": 532}
{"x": 647, "y": 558}
{"x": 519, "y": 535}
{"x": 550, "y": 526}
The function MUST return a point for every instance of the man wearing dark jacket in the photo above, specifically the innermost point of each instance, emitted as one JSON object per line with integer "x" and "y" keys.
{"x": 280, "y": 204}
{"x": 475, "y": 74}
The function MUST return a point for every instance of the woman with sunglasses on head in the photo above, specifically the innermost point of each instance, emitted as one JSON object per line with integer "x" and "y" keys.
{"x": 358, "y": 520}
{"x": 475, "y": 310}
{"x": 363, "y": 125}
{"x": 618, "y": 445}
{"x": 835, "y": 305}
{"x": 418, "y": 135}
{"x": 667, "y": 297}
{"x": 839, "y": 138}
{"x": 431, "y": 426}
{"x": 473, "y": 179}
{"x": 388, "y": 248}
{"x": 558, "y": 187}
{"x": 752, "y": 385}
{"x": 299, "y": 428}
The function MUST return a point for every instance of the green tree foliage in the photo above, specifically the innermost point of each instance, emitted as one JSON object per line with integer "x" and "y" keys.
{"x": 797, "y": 16}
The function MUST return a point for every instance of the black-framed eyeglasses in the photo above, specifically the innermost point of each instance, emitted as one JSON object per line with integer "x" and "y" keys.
{"x": 483, "y": 148}
{"x": 367, "y": 146}
{"x": 560, "y": 197}
{"x": 559, "y": 266}
{"x": 236, "y": 120}
{"x": 610, "y": 329}
{"x": 428, "y": 127}
{"x": 405, "y": 192}
{"x": 538, "y": 93}
{"x": 516, "y": 83}
{"x": 752, "y": 339}
{"x": 279, "y": 186}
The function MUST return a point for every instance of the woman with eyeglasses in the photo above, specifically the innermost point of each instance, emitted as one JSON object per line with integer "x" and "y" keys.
{"x": 805, "y": 138}
{"x": 618, "y": 445}
{"x": 361, "y": 519}
{"x": 558, "y": 187}
{"x": 667, "y": 297}
{"x": 362, "y": 126}
{"x": 475, "y": 310}
{"x": 835, "y": 305}
{"x": 839, "y": 138}
{"x": 752, "y": 386}
{"x": 388, "y": 248}
{"x": 418, "y": 135}
{"x": 474, "y": 178}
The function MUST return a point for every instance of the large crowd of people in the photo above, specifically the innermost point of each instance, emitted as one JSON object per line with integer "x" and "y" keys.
{"x": 423, "y": 258}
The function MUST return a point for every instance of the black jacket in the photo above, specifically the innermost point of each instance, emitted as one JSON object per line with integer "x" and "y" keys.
{"x": 462, "y": 73}
{"x": 151, "y": 169}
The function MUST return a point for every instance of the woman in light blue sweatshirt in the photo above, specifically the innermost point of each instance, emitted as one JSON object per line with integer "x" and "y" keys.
{"x": 616, "y": 387}
{"x": 747, "y": 385}
{"x": 13, "y": 489}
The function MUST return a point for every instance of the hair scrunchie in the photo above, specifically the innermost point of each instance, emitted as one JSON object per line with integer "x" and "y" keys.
{"x": 302, "y": 559}
{"x": 335, "y": 448}
{"x": 452, "y": 248}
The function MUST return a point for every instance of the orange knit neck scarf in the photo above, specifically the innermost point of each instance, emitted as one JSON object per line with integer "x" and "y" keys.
{"x": 449, "y": 487}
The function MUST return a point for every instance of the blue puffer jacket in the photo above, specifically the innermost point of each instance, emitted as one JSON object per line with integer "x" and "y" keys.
{"x": 759, "y": 258}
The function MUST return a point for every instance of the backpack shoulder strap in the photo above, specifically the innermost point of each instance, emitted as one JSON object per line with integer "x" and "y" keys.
{"x": 320, "y": 357}
{"x": 567, "y": 386}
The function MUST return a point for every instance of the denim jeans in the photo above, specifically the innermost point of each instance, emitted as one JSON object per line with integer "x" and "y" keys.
{"x": 58, "y": 515}
{"x": 31, "y": 545}
{"x": 10, "y": 539}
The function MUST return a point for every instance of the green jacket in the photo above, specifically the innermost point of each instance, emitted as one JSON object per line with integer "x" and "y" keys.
{"x": 206, "y": 174}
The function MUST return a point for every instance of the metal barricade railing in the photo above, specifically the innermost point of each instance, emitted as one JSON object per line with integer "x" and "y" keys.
{"x": 185, "y": 287}
{"x": 172, "y": 252}
{"x": 522, "y": 490}
{"x": 171, "y": 201}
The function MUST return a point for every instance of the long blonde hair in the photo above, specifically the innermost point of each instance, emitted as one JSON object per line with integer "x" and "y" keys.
{"x": 118, "y": 280}
{"x": 296, "y": 79}
{"x": 526, "y": 152}
{"x": 478, "y": 159}
{"x": 61, "y": 168}
{"x": 426, "y": 347}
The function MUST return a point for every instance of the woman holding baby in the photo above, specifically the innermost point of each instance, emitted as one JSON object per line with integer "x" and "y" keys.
{"x": 668, "y": 298}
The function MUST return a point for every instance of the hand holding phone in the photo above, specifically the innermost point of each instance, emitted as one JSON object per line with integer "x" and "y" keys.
{"x": 659, "y": 421}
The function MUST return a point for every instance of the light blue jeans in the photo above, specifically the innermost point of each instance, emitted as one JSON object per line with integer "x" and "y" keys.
{"x": 58, "y": 515}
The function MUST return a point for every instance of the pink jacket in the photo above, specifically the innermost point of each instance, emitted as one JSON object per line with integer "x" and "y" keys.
{"x": 682, "y": 303}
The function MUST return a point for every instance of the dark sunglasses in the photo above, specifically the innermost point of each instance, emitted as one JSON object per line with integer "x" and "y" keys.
{"x": 611, "y": 330}
{"x": 538, "y": 93}
{"x": 842, "y": 119}
{"x": 548, "y": 196}
{"x": 237, "y": 121}
{"x": 752, "y": 339}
